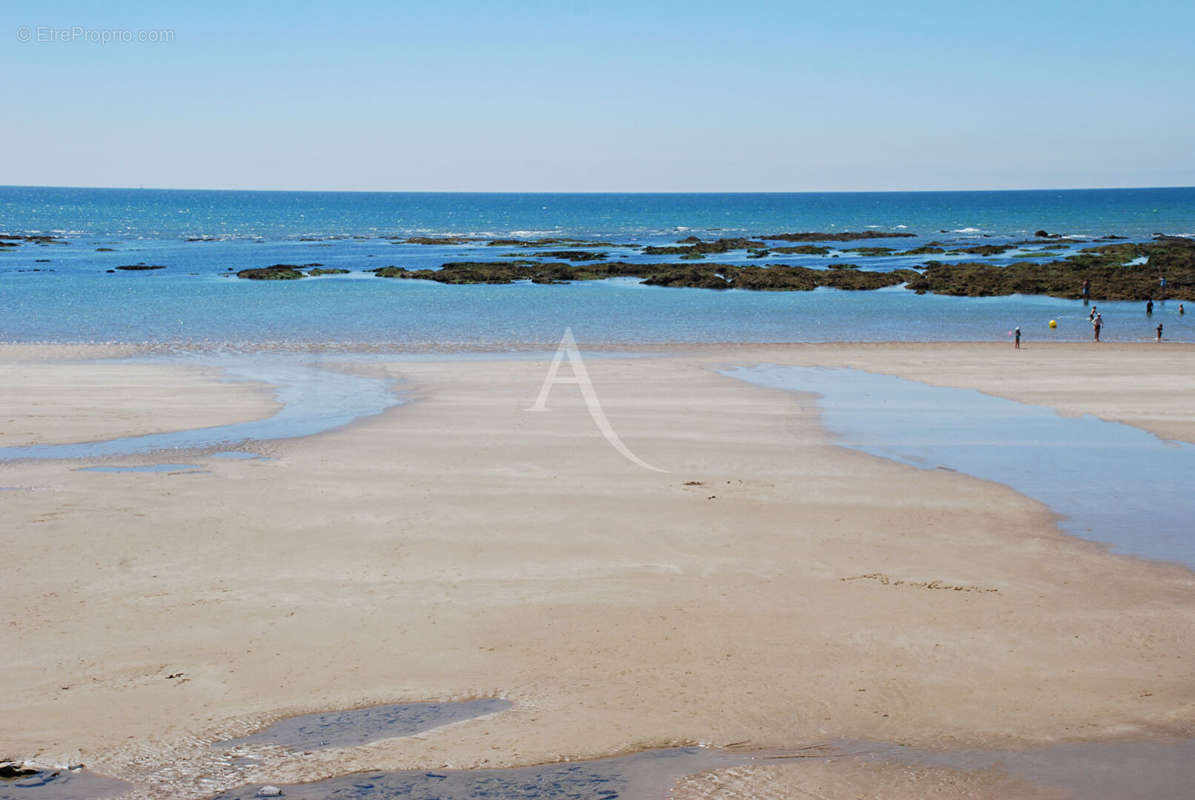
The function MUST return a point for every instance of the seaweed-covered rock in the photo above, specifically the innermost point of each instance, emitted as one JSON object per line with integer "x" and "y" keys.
{"x": 30, "y": 238}
{"x": 1112, "y": 270}
{"x": 569, "y": 255}
{"x": 716, "y": 246}
{"x": 841, "y": 236}
{"x": 691, "y": 278}
{"x": 983, "y": 249}
{"x": 440, "y": 240}
{"x": 140, "y": 267}
{"x": 871, "y": 251}
{"x": 801, "y": 250}
{"x": 552, "y": 241}
{"x": 327, "y": 271}
{"x": 705, "y": 276}
{"x": 278, "y": 272}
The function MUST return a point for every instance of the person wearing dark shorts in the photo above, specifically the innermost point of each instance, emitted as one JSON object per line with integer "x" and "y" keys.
{"x": 1159, "y": 332}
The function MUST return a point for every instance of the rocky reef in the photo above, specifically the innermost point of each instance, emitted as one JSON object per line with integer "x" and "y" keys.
{"x": 439, "y": 240}
{"x": 567, "y": 255}
{"x": 552, "y": 242}
{"x": 17, "y": 239}
{"x": 703, "y": 276}
{"x": 1115, "y": 272}
{"x": 140, "y": 267}
{"x": 688, "y": 246}
{"x": 281, "y": 272}
{"x": 801, "y": 250}
{"x": 871, "y": 252}
{"x": 841, "y": 236}
{"x": 927, "y": 249}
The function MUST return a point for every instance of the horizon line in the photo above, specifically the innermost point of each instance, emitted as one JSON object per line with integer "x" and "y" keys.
{"x": 610, "y": 192}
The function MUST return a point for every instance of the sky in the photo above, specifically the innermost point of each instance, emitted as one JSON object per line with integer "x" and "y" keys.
{"x": 526, "y": 95}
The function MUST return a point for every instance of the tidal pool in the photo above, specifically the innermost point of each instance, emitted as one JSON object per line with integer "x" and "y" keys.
{"x": 1112, "y": 483}
{"x": 313, "y": 400}
{"x": 643, "y": 775}
{"x": 361, "y": 725}
{"x": 61, "y": 784}
{"x": 144, "y": 468}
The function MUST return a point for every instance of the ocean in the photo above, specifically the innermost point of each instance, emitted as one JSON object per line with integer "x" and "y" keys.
{"x": 63, "y": 291}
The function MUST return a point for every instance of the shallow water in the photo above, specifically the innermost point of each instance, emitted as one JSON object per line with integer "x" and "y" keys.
{"x": 361, "y": 725}
{"x": 635, "y": 777}
{"x": 1092, "y": 771}
{"x": 1161, "y": 770}
{"x": 144, "y": 468}
{"x": 1112, "y": 483}
{"x": 61, "y": 785}
{"x": 313, "y": 400}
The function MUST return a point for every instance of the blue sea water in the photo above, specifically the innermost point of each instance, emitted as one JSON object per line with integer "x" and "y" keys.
{"x": 70, "y": 291}
{"x": 164, "y": 213}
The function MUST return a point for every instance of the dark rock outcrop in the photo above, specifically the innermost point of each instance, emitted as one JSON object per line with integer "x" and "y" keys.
{"x": 278, "y": 272}
{"x": 705, "y": 276}
{"x": 568, "y": 255}
{"x": 552, "y": 241}
{"x": 871, "y": 251}
{"x": 842, "y": 236}
{"x": 1108, "y": 267}
{"x": 716, "y": 246}
{"x": 28, "y": 238}
{"x": 440, "y": 240}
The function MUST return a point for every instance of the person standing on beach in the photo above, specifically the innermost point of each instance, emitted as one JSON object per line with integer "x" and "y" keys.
{"x": 1159, "y": 333}
{"x": 1096, "y": 324}
{"x": 1016, "y": 338}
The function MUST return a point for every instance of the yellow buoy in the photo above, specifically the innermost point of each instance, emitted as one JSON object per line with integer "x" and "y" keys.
{"x": 1053, "y": 323}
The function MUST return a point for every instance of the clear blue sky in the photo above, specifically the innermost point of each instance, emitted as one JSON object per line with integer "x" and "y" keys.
{"x": 506, "y": 95}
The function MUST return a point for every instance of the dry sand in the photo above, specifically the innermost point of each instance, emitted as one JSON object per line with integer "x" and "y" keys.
{"x": 460, "y": 546}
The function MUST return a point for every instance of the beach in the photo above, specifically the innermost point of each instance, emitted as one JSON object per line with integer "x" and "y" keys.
{"x": 770, "y": 590}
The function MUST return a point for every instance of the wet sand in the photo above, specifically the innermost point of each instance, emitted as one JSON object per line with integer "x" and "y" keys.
{"x": 461, "y": 547}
